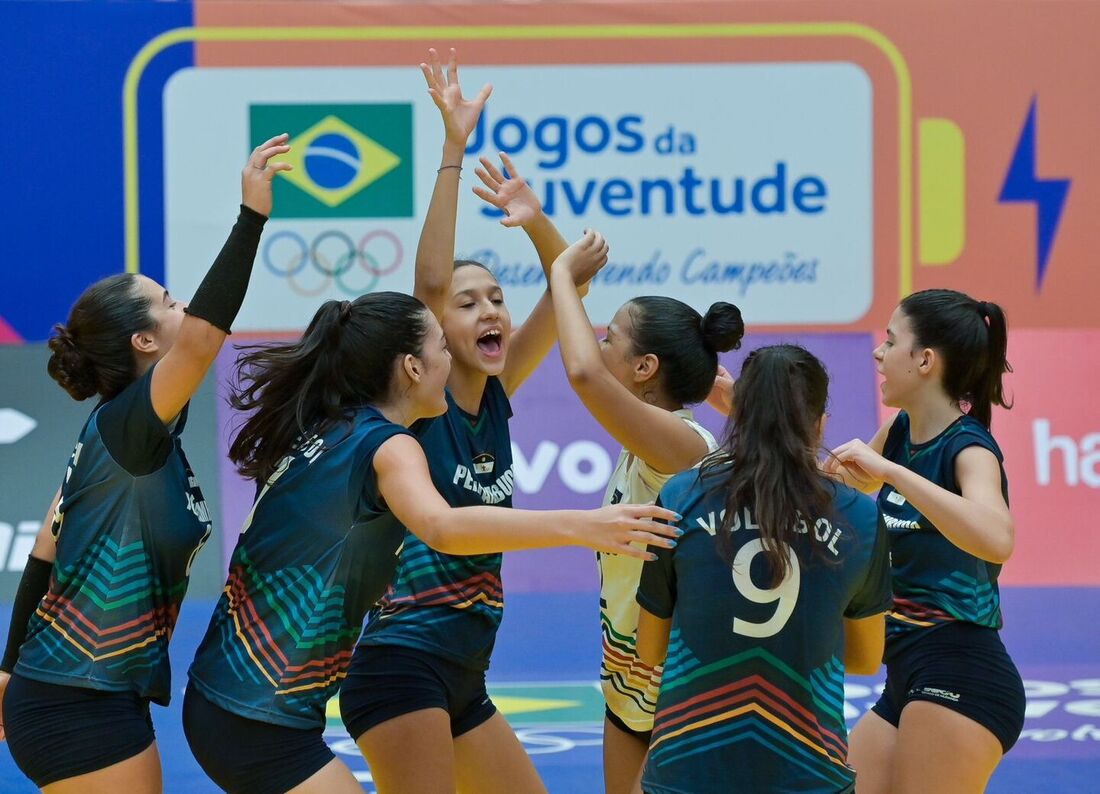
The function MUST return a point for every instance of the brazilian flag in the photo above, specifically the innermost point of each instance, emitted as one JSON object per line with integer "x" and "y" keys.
{"x": 350, "y": 161}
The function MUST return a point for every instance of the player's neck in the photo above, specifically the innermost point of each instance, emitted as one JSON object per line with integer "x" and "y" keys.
{"x": 930, "y": 415}
{"x": 467, "y": 388}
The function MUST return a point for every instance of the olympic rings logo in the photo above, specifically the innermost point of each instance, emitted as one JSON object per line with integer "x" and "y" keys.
{"x": 336, "y": 257}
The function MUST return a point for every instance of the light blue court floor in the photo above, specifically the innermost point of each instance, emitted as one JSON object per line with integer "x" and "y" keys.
{"x": 544, "y": 680}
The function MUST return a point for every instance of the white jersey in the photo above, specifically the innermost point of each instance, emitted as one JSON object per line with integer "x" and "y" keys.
{"x": 629, "y": 686}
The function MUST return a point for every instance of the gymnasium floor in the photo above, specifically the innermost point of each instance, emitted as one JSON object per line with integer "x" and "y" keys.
{"x": 543, "y": 678}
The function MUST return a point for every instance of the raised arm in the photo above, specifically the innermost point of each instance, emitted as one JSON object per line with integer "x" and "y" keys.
{"x": 509, "y": 192}
{"x": 436, "y": 250}
{"x": 977, "y": 521}
{"x": 219, "y": 297}
{"x": 406, "y": 484}
{"x": 653, "y": 434}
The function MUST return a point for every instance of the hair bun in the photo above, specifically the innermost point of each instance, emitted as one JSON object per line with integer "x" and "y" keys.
{"x": 69, "y": 366}
{"x": 722, "y": 327}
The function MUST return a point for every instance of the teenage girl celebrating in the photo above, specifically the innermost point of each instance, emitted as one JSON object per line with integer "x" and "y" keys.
{"x": 342, "y": 477}
{"x": 101, "y": 591}
{"x": 659, "y": 356}
{"x": 954, "y": 701}
{"x": 416, "y": 688}
{"x": 753, "y": 686}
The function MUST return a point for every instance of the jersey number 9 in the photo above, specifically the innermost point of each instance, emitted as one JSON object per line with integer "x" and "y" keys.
{"x": 784, "y": 595}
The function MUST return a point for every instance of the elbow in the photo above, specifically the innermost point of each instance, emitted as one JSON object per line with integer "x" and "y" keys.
{"x": 432, "y": 291}
{"x": 430, "y": 530}
{"x": 1000, "y": 550}
{"x": 582, "y": 376}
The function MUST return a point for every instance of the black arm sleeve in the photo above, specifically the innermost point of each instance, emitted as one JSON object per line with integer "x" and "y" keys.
{"x": 33, "y": 585}
{"x": 221, "y": 293}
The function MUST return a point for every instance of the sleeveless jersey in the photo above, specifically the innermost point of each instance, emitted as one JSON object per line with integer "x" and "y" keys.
{"x": 629, "y": 686}
{"x": 130, "y": 521}
{"x": 318, "y": 548}
{"x": 752, "y": 697}
{"x": 448, "y": 605}
{"x": 935, "y": 582}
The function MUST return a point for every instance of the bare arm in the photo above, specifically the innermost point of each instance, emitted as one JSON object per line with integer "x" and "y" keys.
{"x": 653, "y": 634}
{"x": 45, "y": 544}
{"x": 864, "y": 641}
{"x": 653, "y": 434}
{"x": 178, "y": 374}
{"x": 405, "y": 483}
{"x": 978, "y": 521}
{"x": 511, "y": 194}
{"x": 436, "y": 249}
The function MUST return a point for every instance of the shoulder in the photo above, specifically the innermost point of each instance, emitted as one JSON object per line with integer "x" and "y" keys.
{"x": 497, "y": 395}
{"x": 371, "y": 429}
{"x": 857, "y": 510}
{"x": 689, "y": 419}
{"x": 897, "y": 435}
{"x": 970, "y": 433}
{"x": 682, "y": 489}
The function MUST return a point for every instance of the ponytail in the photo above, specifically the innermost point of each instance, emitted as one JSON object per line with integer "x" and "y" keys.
{"x": 768, "y": 461}
{"x": 972, "y": 338}
{"x": 343, "y": 360}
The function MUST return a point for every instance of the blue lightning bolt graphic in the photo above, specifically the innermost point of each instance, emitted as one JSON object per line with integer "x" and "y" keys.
{"x": 1048, "y": 195}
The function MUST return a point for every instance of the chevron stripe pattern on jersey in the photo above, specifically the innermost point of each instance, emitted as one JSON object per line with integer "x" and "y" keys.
{"x": 752, "y": 703}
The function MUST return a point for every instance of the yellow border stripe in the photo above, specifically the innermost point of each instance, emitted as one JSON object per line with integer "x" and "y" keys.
{"x": 533, "y": 33}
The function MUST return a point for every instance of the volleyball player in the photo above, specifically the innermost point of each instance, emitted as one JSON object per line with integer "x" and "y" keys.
{"x": 101, "y": 591}
{"x": 658, "y": 357}
{"x": 777, "y": 587}
{"x": 954, "y": 701}
{"x": 328, "y": 437}
{"x": 416, "y": 688}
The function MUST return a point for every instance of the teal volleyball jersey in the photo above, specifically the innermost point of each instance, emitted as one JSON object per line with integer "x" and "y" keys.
{"x": 130, "y": 522}
{"x": 935, "y": 582}
{"x": 752, "y": 696}
{"x": 317, "y": 550}
{"x": 448, "y": 605}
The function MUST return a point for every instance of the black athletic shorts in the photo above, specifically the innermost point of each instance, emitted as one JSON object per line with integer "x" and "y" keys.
{"x": 56, "y": 732}
{"x": 963, "y": 667}
{"x": 388, "y": 681}
{"x": 245, "y": 756}
{"x": 615, "y": 720}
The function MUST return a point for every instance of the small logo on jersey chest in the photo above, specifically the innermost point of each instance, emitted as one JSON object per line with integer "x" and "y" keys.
{"x": 484, "y": 463}
{"x": 895, "y": 498}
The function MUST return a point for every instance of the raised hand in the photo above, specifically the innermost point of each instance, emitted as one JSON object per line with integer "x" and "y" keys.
{"x": 459, "y": 115}
{"x": 721, "y": 393}
{"x": 584, "y": 258}
{"x": 258, "y": 173}
{"x": 615, "y": 528}
{"x": 508, "y": 192}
